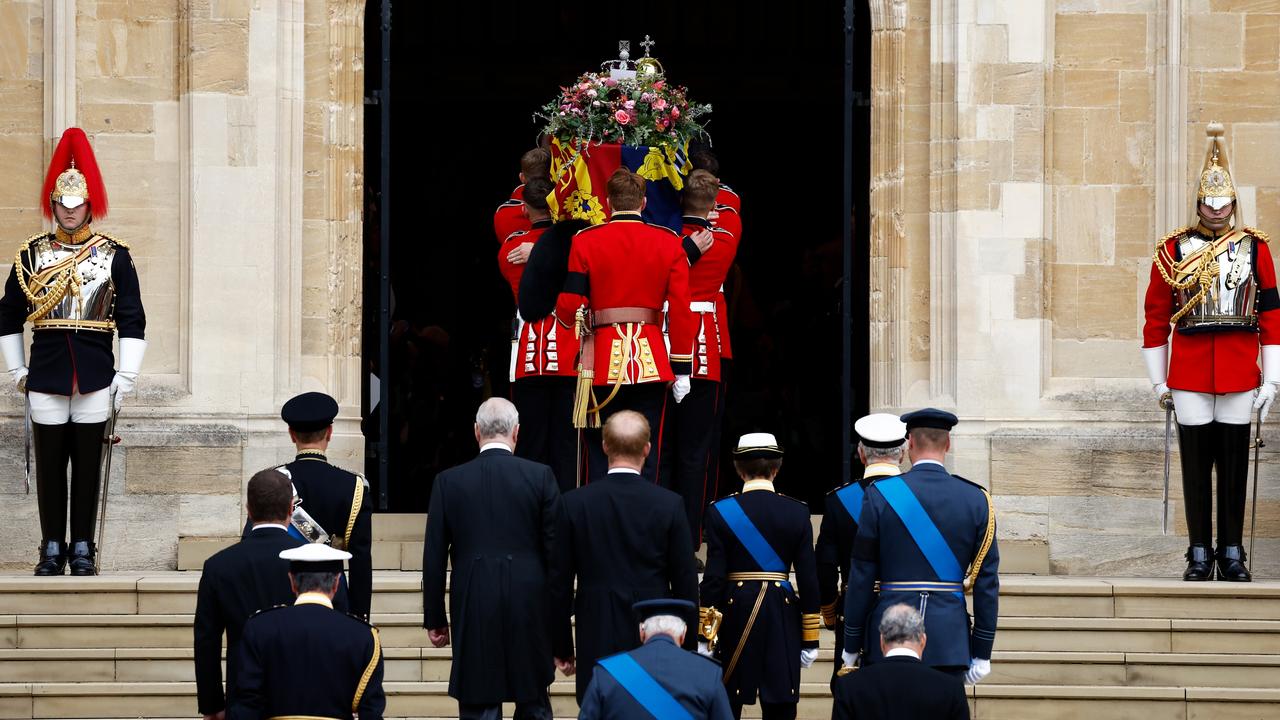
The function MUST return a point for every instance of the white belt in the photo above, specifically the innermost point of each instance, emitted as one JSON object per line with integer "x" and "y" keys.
{"x": 702, "y": 307}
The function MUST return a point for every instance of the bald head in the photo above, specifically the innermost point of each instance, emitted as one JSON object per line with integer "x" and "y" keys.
{"x": 626, "y": 439}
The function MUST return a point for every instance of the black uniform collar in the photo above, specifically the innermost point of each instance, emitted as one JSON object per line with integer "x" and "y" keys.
{"x": 695, "y": 220}
{"x": 626, "y": 216}
{"x": 311, "y": 455}
{"x": 539, "y": 224}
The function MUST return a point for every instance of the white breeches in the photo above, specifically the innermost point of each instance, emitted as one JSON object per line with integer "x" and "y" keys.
{"x": 49, "y": 409}
{"x": 1195, "y": 408}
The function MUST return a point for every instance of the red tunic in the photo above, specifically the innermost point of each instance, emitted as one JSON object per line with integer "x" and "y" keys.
{"x": 707, "y": 271}
{"x": 728, "y": 196}
{"x": 546, "y": 346}
{"x": 1222, "y": 361}
{"x": 509, "y": 217}
{"x": 628, "y": 263}
{"x": 730, "y": 219}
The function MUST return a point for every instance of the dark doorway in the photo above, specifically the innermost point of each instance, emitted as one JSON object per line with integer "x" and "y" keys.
{"x": 466, "y": 80}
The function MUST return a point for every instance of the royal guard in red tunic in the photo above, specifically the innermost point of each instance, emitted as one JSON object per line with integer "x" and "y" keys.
{"x": 79, "y": 290}
{"x": 1214, "y": 283}
{"x": 510, "y": 215}
{"x": 544, "y": 350}
{"x": 690, "y": 428}
{"x": 621, "y": 273}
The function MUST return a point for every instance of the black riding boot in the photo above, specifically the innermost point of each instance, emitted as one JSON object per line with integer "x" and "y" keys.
{"x": 86, "y": 462}
{"x": 52, "y": 448}
{"x": 1233, "y": 483}
{"x": 1196, "y": 447}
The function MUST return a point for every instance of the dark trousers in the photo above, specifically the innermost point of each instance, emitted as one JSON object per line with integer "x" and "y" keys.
{"x": 687, "y": 450}
{"x": 547, "y": 434}
{"x": 648, "y": 399}
{"x": 768, "y": 711}
{"x": 1202, "y": 447}
{"x": 79, "y": 444}
{"x": 537, "y": 710}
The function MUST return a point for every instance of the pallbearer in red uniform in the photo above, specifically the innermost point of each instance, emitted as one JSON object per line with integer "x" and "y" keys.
{"x": 623, "y": 272}
{"x": 510, "y": 215}
{"x": 542, "y": 350}
{"x": 691, "y": 425}
{"x": 1215, "y": 284}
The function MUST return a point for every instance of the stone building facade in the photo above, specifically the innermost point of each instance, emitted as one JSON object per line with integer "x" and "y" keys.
{"x": 1026, "y": 155}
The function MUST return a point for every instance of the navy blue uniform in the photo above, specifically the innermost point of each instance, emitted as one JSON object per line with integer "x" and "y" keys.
{"x": 237, "y": 582}
{"x": 692, "y": 680}
{"x": 308, "y": 660}
{"x": 328, "y": 493}
{"x": 885, "y": 551}
{"x": 760, "y": 649}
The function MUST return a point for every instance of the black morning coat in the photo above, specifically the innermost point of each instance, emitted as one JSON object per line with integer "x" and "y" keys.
{"x": 494, "y": 520}
{"x": 66, "y": 360}
{"x": 308, "y": 660}
{"x": 769, "y": 663}
{"x": 899, "y": 688}
{"x": 327, "y": 492}
{"x": 236, "y": 583}
{"x": 625, "y": 539}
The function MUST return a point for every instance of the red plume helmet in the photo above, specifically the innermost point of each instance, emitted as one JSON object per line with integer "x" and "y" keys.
{"x": 73, "y": 173}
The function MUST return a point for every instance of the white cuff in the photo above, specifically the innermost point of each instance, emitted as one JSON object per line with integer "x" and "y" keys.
{"x": 1270, "y": 363}
{"x": 1157, "y": 359}
{"x": 132, "y": 351}
{"x": 15, "y": 351}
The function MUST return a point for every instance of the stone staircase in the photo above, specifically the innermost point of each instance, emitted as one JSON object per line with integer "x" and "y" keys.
{"x": 119, "y": 646}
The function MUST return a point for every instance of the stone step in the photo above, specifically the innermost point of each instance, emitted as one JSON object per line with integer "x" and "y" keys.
{"x": 429, "y": 699}
{"x": 413, "y": 664}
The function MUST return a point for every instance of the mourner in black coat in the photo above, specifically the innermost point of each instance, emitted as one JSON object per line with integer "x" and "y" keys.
{"x": 625, "y": 539}
{"x": 307, "y": 659}
{"x": 494, "y": 519}
{"x": 239, "y": 581}
{"x": 899, "y": 687}
{"x": 680, "y": 678}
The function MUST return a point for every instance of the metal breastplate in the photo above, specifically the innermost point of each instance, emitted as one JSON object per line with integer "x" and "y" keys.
{"x": 88, "y": 301}
{"x": 1229, "y": 302}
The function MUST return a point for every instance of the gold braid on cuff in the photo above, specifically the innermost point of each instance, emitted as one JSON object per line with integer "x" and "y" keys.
{"x": 829, "y": 613}
{"x": 810, "y": 624}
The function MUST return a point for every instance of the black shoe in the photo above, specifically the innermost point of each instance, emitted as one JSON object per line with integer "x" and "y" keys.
{"x": 82, "y": 558}
{"x": 1199, "y": 564}
{"x": 1231, "y": 565}
{"x": 53, "y": 558}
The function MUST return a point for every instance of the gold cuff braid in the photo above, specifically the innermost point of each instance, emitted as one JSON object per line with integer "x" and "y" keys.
{"x": 810, "y": 624}
{"x": 829, "y": 613}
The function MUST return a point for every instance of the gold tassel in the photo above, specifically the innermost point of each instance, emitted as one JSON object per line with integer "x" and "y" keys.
{"x": 583, "y": 398}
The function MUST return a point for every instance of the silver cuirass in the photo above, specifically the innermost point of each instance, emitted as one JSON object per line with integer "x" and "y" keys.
{"x": 1230, "y": 295}
{"x": 88, "y": 300}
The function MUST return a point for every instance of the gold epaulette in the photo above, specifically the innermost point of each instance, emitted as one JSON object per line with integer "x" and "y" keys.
{"x": 1176, "y": 233}
{"x": 1258, "y": 234}
{"x": 121, "y": 243}
{"x": 27, "y": 243}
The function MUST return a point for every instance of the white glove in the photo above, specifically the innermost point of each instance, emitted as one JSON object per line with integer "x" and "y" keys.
{"x": 132, "y": 350}
{"x": 849, "y": 659}
{"x": 978, "y": 669}
{"x": 680, "y": 388}
{"x": 1266, "y": 394}
{"x": 15, "y": 359}
{"x": 1161, "y": 390}
{"x": 703, "y": 648}
{"x": 807, "y": 656}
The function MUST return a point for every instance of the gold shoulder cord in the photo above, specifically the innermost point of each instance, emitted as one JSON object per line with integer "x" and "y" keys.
{"x": 972, "y": 576}
{"x": 1204, "y": 274}
{"x": 357, "y": 499}
{"x": 1258, "y": 234}
{"x": 368, "y": 671}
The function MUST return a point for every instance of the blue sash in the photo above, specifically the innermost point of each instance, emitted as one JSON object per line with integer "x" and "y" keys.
{"x": 750, "y": 537}
{"x": 295, "y": 532}
{"x": 922, "y": 529}
{"x": 646, "y": 691}
{"x": 851, "y": 498}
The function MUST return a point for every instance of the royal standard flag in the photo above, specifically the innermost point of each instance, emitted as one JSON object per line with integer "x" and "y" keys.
{"x": 581, "y": 174}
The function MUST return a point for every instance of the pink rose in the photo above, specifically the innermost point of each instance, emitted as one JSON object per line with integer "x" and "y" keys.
{"x": 660, "y": 84}
{"x": 660, "y": 104}
{"x": 592, "y": 93}
{"x": 675, "y": 113}
{"x": 622, "y": 117}
{"x": 610, "y": 82}
{"x": 630, "y": 104}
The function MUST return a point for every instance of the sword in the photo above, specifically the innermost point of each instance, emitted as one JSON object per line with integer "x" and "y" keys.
{"x": 26, "y": 426}
{"x": 110, "y": 439}
{"x": 1166, "y": 401}
{"x": 1258, "y": 444}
